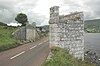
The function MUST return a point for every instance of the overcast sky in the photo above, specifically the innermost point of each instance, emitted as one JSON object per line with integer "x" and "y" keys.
{"x": 38, "y": 10}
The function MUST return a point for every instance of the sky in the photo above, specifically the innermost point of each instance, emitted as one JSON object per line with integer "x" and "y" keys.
{"x": 38, "y": 10}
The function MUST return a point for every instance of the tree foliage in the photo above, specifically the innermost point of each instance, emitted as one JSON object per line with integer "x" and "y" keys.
{"x": 22, "y": 18}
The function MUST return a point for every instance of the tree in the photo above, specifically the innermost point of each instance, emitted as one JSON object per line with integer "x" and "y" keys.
{"x": 22, "y": 18}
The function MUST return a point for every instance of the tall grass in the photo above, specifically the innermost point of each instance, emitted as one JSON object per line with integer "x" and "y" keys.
{"x": 61, "y": 57}
{"x": 6, "y": 39}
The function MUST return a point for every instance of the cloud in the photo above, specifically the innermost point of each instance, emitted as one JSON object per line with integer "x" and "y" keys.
{"x": 10, "y": 8}
{"x": 38, "y": 10}
{"x": 90, "y": 8}
{"x": 94, "y": 7}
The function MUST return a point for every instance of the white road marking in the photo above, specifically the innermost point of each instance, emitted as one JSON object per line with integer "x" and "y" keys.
{"x": 40, "y": 43}
{"x": 45, "y": 41}
{"x": 33, "y": 47}
{"x": 17, "y": 55}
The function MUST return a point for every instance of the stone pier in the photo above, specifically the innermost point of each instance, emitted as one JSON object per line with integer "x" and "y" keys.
{"x": 67, "y": 31}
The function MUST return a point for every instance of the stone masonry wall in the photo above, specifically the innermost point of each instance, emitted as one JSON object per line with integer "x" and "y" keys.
{"x": 67, "y": 31}
{"x": 20, "y": 34}
{"x": 28, "y": 33}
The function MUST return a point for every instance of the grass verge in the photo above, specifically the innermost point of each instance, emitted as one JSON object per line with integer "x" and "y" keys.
{"x": 6, "y": 39}
{"x": 61, "y": 57}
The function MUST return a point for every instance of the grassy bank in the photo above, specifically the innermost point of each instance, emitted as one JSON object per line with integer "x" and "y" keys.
{"x": 6, "y": 39}
{"x": 61, "y": 57}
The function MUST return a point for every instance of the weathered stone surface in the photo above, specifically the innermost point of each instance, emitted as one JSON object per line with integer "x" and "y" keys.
{"x": 28, "y": 33}
{"x": 67, "y": 31}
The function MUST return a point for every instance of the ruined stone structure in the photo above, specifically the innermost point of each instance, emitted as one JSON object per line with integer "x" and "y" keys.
{"x": 28, "y": 33}
{"x": 67, "y": 31}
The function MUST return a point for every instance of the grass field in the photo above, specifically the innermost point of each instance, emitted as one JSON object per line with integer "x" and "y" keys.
{"x": 61, "y": 57}
{"x": 6, "y": 39}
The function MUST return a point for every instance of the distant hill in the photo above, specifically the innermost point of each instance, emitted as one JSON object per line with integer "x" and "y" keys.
{"x": 45, "y": 27}
{"x": 92, "y": 26}
{"x": 2, "y": 24}
{"x": 95, "y": 22}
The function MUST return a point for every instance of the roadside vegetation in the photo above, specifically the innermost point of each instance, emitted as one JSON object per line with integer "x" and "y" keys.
{"x": 61, "y": 57}
{"x": 6, "y": 39}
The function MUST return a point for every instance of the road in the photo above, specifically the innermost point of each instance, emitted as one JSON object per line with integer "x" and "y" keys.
{"x": 31, "y": 54}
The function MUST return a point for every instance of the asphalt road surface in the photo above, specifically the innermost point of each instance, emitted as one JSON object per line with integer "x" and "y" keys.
{"x": 31, "y": 54}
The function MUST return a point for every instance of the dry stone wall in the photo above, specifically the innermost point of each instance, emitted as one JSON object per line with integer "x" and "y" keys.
{"x": 67, "y": 31}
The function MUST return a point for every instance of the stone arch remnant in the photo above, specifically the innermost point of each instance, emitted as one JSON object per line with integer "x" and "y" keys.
{"x": 67, "y": 31}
